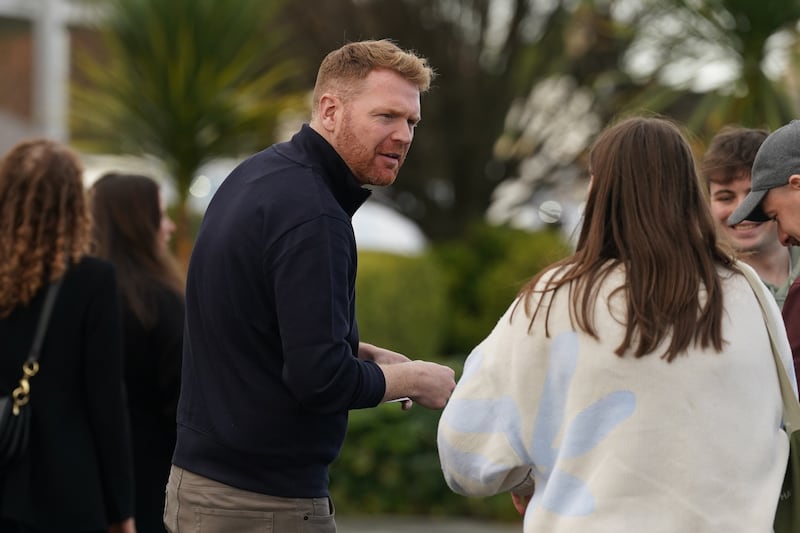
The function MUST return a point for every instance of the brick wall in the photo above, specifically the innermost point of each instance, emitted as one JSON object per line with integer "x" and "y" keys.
{"x": 16, "y": 74}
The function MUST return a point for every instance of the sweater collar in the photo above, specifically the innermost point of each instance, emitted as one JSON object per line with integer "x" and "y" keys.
{"x": 346, "y": 188}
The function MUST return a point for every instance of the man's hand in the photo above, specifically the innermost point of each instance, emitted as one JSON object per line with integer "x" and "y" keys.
{"x": 428, "y": 384}
{"x": 521, "y": 502}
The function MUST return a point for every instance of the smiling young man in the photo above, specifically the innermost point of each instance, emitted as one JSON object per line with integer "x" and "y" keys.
{"x": 775, "y": 195}
{"x": 272, "y": 360}
{"x": 726, "y": 169}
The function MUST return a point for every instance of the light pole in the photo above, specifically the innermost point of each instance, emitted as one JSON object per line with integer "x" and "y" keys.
{"x": 51, "y": 69}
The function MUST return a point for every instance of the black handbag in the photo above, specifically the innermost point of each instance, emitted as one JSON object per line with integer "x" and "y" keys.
{"x": 15, "y": 413}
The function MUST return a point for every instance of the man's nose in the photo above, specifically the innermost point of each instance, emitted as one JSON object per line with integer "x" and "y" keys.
{"x": 784, "y": 237}
{"x": 404, "y": 133}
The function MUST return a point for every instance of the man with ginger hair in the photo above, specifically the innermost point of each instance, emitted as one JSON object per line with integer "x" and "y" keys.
{"x": 272, "y": 360}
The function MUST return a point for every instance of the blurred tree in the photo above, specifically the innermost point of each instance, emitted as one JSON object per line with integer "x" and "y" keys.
{"x": 184, "y": 81}
{"x": 549, "y": 127}
{"x": 748, "y": 41}
{"x": 703, "y": 63}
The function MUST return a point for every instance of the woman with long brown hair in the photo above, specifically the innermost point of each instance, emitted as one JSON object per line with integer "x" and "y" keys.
{"x": 631, "y": 386}
{"x": 76, "y": 474}
{"x": 132, "y": 230}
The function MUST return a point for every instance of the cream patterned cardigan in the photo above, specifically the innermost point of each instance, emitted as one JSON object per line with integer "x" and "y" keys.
{"x": 619, "y": 444}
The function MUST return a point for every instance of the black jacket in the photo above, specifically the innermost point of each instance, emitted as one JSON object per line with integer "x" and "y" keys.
{"x": 152, "y": 377}
{"x": 77, "y": 473}
{"x": 269, "y": 367}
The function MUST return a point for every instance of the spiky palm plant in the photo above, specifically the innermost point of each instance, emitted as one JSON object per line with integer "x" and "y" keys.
{"x": 737, "y": 33}
{"x": 184, "y": 81}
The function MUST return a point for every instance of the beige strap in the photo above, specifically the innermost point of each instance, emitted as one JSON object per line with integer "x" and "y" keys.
{"x": 791, "y": 407}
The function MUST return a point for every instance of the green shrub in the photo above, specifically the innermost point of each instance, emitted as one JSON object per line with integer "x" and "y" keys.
{"x": 442, "y": 303}
{"x": 390, "y": 465}
{"x": 484, "y": 271}
{"x": 400, "y": 303}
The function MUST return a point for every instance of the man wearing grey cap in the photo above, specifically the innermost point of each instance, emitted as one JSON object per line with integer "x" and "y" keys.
{"x": 775, "y": 186}
{"x": 775, "y": 195}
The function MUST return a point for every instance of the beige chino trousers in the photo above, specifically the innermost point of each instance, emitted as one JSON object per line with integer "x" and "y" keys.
{"x": 197, "y": 504}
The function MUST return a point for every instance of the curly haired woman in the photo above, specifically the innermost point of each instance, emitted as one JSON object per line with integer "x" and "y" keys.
{"x": 76, "y": 475}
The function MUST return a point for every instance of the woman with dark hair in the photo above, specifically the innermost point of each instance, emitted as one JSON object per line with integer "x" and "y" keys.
{"x": 132, "y": 230}
{"x": 76, "y": 474}
{"x": 631, "y": 384}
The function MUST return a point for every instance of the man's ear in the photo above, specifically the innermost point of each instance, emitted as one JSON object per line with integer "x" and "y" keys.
{"x": 329, "y": 110}
{"x": 794, "y": 181}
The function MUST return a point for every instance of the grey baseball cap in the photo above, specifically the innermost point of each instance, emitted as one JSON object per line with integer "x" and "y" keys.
{"x": 776, "y": 160}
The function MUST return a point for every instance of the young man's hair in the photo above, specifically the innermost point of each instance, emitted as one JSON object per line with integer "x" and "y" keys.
{"x": 730, "y": 154}
{"x": 344, "y": 70}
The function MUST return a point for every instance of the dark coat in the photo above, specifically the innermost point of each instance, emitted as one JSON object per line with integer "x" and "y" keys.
{"x": 791, "y": 318}
{"x": 77, "y": 474}
{"x": 152, "y": 377}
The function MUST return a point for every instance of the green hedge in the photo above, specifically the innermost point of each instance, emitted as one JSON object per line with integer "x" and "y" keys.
{"x": 484, "y": 271}
{"x": 444, "y": 302}
{"x": 400, "y": 303}
{"x": 448, "y": 300}
{"x": 390, "y": 465}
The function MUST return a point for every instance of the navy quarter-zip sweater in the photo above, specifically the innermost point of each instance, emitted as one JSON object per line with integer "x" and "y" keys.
{"x": 269, "y": 359}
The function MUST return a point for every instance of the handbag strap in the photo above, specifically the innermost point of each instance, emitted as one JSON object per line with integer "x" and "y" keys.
{"x": 791, "y": 406}
{"x": 30, "y": 367}
{"x": 44, "y": 318}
